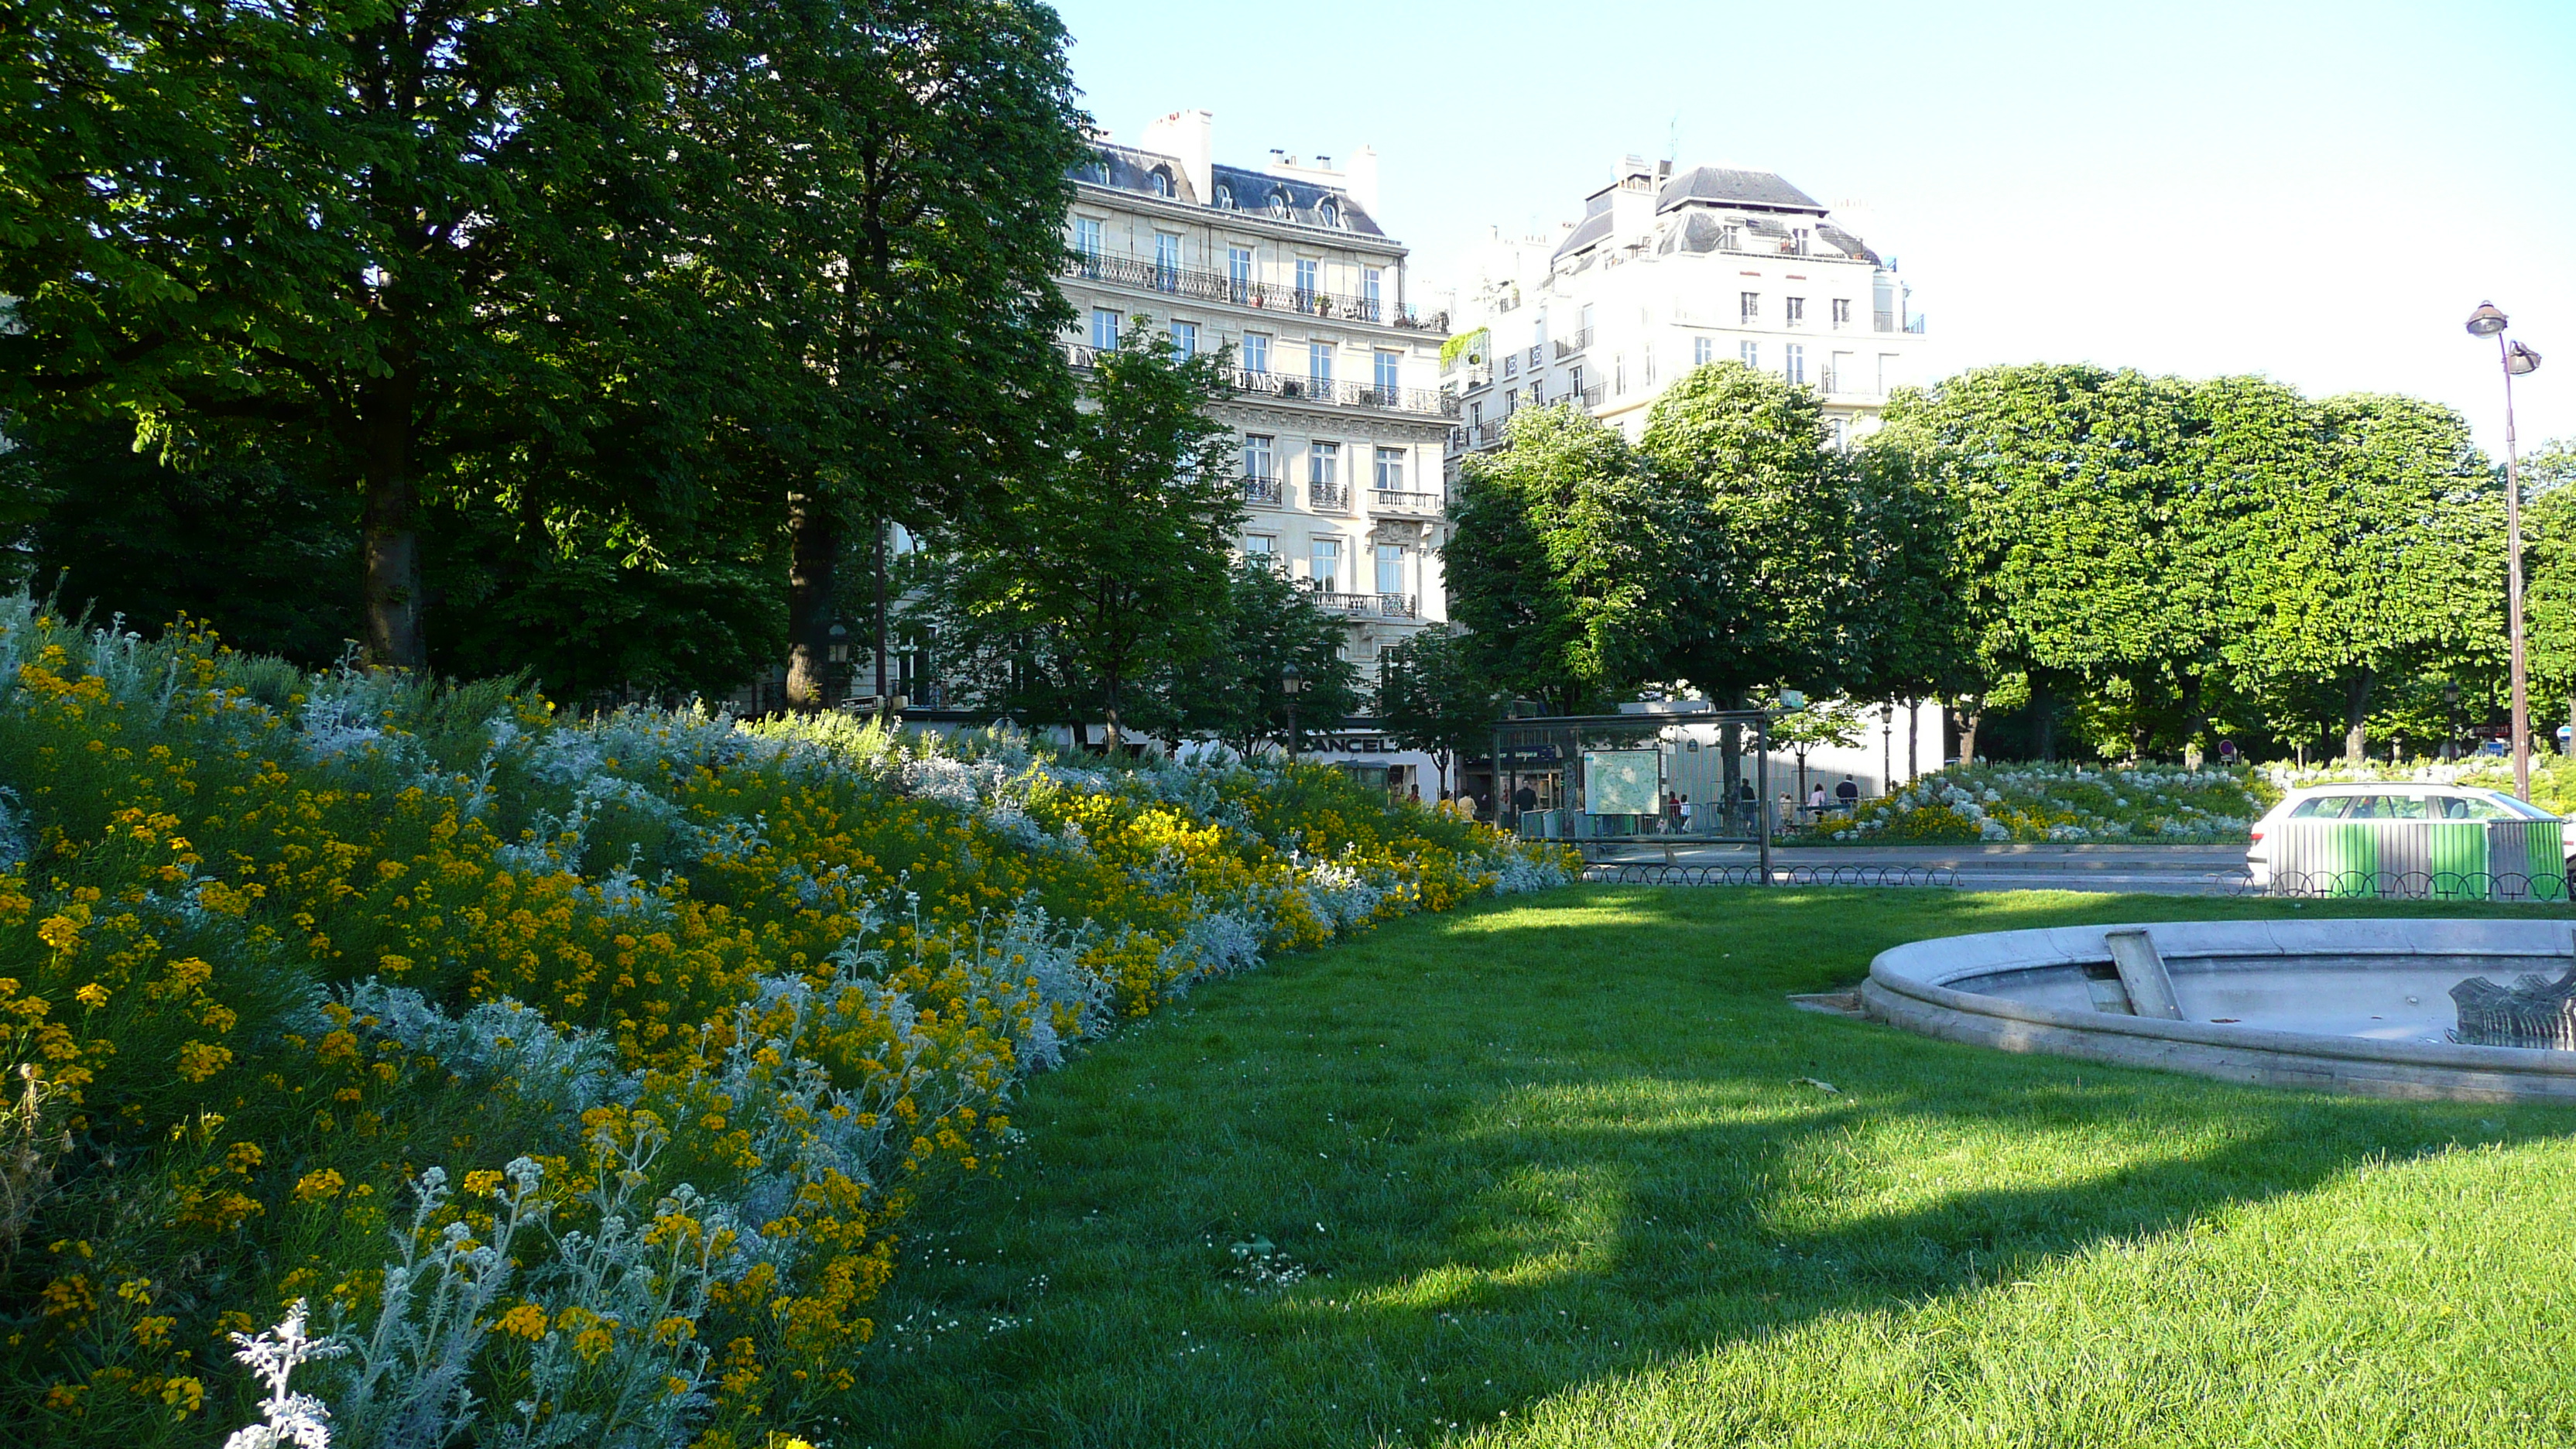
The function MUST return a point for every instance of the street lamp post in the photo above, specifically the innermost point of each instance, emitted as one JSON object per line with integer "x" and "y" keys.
{"x": 2517, "y": 360}
{"x": 1290, "y": 681}
{"x": 2451, "y": 697}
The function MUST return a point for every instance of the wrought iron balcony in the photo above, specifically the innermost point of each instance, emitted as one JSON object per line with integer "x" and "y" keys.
{"x": 1261, "y": 490}
{"x": 1328, "y": 496}
{"x": 1887, "y": 322}
{"x": 1428, "y": 402}
{"x": 1368, "y": 606}
{"x": 1591, "y": 396}
{"x": 1573, "y": 346}
{"x": 1198, "y": 285}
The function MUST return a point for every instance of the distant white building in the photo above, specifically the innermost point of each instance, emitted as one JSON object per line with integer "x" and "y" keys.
{"x": 1668, "y": 270}
{"x": 1340, "y": 422}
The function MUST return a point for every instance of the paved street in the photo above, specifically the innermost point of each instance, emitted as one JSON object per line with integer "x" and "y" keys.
{"x": 2162, "y": 869}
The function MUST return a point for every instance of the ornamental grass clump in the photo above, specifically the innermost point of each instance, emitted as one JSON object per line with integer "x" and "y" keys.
{"x": 576, "y": 1073}
{"x": 2043, "y": 802}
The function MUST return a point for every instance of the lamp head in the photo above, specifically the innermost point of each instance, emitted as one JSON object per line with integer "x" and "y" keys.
{"x": 2451, "y": 693}
{"x": 2519, "y": 359}
{"x": 2486, "y": 321}
{"x": 1290, "y": 681}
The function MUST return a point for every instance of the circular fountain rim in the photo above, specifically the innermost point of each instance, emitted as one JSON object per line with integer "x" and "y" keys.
{"x": 1909, "y": 986}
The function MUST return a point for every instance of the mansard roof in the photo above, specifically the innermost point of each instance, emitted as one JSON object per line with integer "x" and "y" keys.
{"x": 1725, "y": 185}
{"x": 1238, "y": 188}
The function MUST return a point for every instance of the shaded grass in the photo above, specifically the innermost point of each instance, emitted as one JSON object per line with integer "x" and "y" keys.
{"x": 1553, "y": 1177}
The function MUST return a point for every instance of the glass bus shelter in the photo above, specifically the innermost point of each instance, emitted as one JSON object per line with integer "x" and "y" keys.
{"x": 1605, "y": 782}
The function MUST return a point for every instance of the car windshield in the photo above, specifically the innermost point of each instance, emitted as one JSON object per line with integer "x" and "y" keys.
{"x": 2516, "y": 807}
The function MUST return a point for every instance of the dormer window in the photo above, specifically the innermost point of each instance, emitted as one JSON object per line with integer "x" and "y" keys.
{"x": 1162, "y": 182}
{"x": 1279, "y": 203}
{"x": 1328, "y": 213}
{"x": 1099, "y": 170}
{"x": 1224, "y": 197}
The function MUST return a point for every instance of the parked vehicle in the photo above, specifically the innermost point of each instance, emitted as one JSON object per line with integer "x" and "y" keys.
{"x": 2383, "y": 808}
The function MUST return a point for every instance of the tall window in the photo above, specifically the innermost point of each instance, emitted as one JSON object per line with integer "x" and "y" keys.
{"x": 1261, "y": 548}
{"x": 1162, "y": 183}
{"x": 1306, "y": 269}
{"x": 1793, "y": 366}
{"x": 1238, "y": 272}
{"x": 1185, "y": 339}
{"x": 1793, "y": 311}
{"x": 1619, "y": 374}
{"x": 1224, "y": 197}
{"x": 1390, "y": 470}
{"x": 1319, "y": 364}
{"x": 1328, "y": 213}
{"x": 1511, "y": 364}
{"x": 1086, "y": 238}
{"x": 1650, "y": 364}
{"x": 1324, "y": 465}
{"x": 1256, "y": 352}
{"x": 1748, "y": 306}
{"x": 1840, "y": 375}
{"x": 1324, "y": 563}
{"x": 1104, "y": 328}
{"x": 1259, "y": 455}
{"x": 1703, "y": 351}
{"x": 1749, "y": 353}
{"x": 1475, "y": 413}
{"x": 1388, "y": 374}
{"x": 1390, "y": 568}
{"x": 1371, "y": 282}
{"x": 1842, "y": 311}
{"x": 1167, "y": 261}
{"x": 1511, "y": 401}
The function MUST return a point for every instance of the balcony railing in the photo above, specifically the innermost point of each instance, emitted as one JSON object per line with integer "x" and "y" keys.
{"x": 1368, "y": 606}
{"x": 1261, "y": 490}
{"x": 1887, "y": 322}
{"x": 1429, "y": 402}
{"x": 1398, "y": 500}
{"x": 1333, "y": 496}
{"x": 1199, "y": 285}
{"x": 1573, "y": 346}
{"x": 1591, "y": 395}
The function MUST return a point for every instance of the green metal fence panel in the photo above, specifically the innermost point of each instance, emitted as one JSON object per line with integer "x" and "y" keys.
{"x": 2456, "y": 852}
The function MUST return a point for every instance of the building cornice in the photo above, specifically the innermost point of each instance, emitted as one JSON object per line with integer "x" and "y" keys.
{"x": 1258, "y": 223}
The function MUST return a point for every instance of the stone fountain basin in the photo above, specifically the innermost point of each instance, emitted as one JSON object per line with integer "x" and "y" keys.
{"x": 2356, "y": 1006}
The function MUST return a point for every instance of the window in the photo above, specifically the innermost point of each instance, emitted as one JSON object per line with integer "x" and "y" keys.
{"x": 1841, "y": 377}
{"x": 1511, "y": 401}
{"x": 1185, "y": 339}
{"x": 1371, "y": 280}
{"x": 1619, "y": 374}
{"x": 1390, "y": 469}
{"x": 1238, "y": 272}
{"x": 1086, "y": 237}
{"x": 1748, "y": 306}
{"x": 1319, "y": 364}
{"x": 1306, "y": 269}
{"x": 1324, "y": 464}
{"x": 1104, "y": 328}
{"x": 2322, "y": 807}
{"x": 1703, "y": 351}
{"x": 1794, "y": 366}
{"x": 1390, "y": 568}
{"x": 1841, "y": 428}
{"x": 1260, "y": 451}
{"x": 1842, "y": 311}
{"x": 1886, "y": 371}
{"x": 1535, "y": 361}
{"x": 1261, "y": 548}
{"x": 1324, "y": 563}
{"x": 1167, "y": 262}
{"x": 1798, "y": 240}
{"x": 1511, "y": 364}
{"x": 1256, "y": 352}
{"x": 1650, "y": 364}
{"x": 1224, "y": 197}
{"x": 1328, "y": 213}
{"x": 1475, "y": 413}
{"x": 1388, "y": 375}
{"x": 1279, "y": 203}
{"x": 1793, "y": 312}
{"x": 1749, "y": 353}
{"x": 1162, "y": 182}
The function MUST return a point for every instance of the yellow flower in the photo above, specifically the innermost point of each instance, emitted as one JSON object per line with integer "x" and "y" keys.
{"x": 319, "y": 1186}
{"x": 527, "y": 1320}
{"x": 92, "y": 996}
{"x": 183, "y": 1394}
{"x": 482, "y": 1182}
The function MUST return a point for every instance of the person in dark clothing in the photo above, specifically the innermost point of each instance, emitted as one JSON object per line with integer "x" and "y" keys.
{"x": 1848, "y": 792}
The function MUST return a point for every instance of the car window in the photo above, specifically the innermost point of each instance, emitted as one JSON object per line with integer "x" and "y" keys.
{"x": 2387, "y": 807}
{"x": 2321, "y": 807}
{"x": 2450, "y": 807}
{"x": 2483, "y": 810}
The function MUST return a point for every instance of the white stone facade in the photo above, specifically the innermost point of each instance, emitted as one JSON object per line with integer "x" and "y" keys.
{"x": 1668, "y": 270}
{"x": 1339, "y": 418}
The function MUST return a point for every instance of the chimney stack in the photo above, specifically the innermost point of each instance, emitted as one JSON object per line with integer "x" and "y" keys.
{"x": 1188, "y": 137}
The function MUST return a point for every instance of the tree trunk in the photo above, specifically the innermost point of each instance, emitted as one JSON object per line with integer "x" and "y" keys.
{"x": 814, "y": 537}
{"x": 1968, "y": 712}
{"x": 392, "y": 547}
{"x": 1913, "y": 740}
{"x": 2356, "y": 716}
{"x": 885, "y": 690}
{"x": 1730, "y": 745}
{"x": 2043, "y": 718}
{"x": 2195, "y": 725}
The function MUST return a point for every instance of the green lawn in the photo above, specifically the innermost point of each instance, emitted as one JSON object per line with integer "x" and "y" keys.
{"x": 1552, "y": 1176}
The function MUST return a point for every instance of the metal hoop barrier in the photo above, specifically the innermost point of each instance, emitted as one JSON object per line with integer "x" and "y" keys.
{"x": 2412, "y": 885}
{"x": 1791, "y": 875}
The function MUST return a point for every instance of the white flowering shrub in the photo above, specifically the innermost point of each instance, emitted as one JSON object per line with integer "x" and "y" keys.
{"x": 2063, "y": 802}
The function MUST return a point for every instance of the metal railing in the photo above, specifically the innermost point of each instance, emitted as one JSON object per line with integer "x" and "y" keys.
{"x": 1399, "y": 500}
{"x": 1429, "y": 402}
{"x": 1261, "y": 490}
{"x": 1367, "y": 606}
{"x": 1335, "y": 496}
{"x": 1592, "y": 395}
{"x": 1199, "y": 285}
{"x": 1570, "y": 346}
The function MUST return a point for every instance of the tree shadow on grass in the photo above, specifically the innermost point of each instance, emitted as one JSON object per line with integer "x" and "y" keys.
{"x": 1590, "y": 1169}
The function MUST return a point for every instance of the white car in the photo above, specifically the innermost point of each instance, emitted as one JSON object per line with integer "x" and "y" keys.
{"x": 2393, "y": 800}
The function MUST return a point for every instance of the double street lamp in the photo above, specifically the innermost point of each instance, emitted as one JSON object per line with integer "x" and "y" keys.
{"x": 2517, "y": 360}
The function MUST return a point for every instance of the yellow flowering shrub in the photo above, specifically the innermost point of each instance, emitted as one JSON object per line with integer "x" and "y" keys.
{"x": 283, "y": 956}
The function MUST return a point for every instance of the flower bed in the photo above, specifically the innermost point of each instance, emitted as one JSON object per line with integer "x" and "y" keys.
{"x": 2553, "y": 777}
{"x": 2034, "y": 802}
{"x": 574, "y": 1073}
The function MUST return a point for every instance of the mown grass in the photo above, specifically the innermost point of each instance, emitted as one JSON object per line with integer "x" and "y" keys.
{"x": 1558, "y": 1174}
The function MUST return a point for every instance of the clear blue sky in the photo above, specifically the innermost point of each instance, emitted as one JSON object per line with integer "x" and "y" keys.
{"x": 2320, "y": 193}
